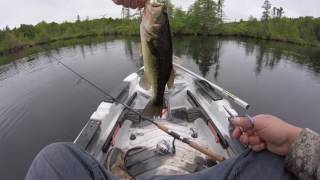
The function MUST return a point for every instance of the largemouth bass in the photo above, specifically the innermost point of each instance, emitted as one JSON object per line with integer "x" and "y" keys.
{"x": 156, "y": 43}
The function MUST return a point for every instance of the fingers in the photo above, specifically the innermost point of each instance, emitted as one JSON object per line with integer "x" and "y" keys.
{"x": 141, "y": 3}
{"x": 244, "y": 139}
{"x": 247, "y": 138}
{"x": 236, "y": 133}
{"x": 250, "y": 132}
{"x": 126, "y": 3}
{"x": 130, "y": 3}
{"x": 254, "y": 140}
{"x": 242, "y": 122}
{"x": 134, "y": 4}
{"x": 258, "y": 147}
{"x": 119, "y": 2}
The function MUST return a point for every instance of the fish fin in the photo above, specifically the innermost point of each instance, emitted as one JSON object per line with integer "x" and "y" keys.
{"x": 170, "y": 82}
{"x": 152, "y": 110}
{"x": 144, "y": 82}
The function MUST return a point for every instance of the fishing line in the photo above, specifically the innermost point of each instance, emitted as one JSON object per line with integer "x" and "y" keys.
{"x": 213, "y": 156}
{"x": 101, "y": 90}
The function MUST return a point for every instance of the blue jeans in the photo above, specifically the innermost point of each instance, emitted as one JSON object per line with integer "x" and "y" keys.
{"x": 70, "y": 161}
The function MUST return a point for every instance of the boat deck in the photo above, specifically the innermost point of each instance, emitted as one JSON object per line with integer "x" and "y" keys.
{"x": 193, "y": 109}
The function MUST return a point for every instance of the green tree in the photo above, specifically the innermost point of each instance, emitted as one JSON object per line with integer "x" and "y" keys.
{"x": 220, "y": 10}
{"x": 280, "y": 12}
{"x": 266, "y": 10}
{"x": 251, "y": 18}
{"x": 277, "y": 12}
{"x": 203, "y": 16}
{"x": 125, "y": 13}
{"x": 28, "y": 31}
{"x": 78, "y": 19}
{"x": 7, "y": 28}
{"x": 179, "y": 21}
{"x": 274, "y": 11}
{"x": 9, "y": 42}
{"x": 170, "y": 10}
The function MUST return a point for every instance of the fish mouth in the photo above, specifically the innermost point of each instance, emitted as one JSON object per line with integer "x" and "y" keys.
{"x": 153, "y": 19}
{"x": 155, "y": 6}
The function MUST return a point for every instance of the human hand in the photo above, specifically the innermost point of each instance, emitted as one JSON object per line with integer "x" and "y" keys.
{"x": 131, "y": 3}
{"x": 267, "y": 132}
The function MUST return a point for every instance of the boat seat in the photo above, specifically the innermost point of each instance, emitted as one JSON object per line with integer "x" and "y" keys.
{"x": 142, "y": 163}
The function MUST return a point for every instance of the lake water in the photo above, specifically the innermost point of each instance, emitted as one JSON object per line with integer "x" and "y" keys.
{"x": 42, "y": 102}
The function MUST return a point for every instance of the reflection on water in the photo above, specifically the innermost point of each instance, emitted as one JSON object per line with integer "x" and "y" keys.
{"x": 205, "y": 53}
{"x": 269, "y": 54}
{"x": 40, "y": 97}
{"x": 133, "y": 50}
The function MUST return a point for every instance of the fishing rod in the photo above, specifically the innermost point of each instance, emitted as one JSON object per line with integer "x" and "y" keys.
{"x": 224, "y": 92}
{"x": 212, "y": 155}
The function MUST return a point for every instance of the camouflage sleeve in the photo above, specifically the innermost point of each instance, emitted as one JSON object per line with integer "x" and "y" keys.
{"x": 304, "y": 156}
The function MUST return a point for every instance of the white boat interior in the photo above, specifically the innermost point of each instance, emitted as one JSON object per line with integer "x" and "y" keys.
{"x": 195, "y": 108}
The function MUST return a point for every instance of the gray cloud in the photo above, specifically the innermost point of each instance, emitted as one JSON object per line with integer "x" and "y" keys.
{"x": 16, "y": 12}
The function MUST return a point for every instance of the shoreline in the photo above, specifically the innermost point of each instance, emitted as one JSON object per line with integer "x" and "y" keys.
{"x": 22, "y": 47}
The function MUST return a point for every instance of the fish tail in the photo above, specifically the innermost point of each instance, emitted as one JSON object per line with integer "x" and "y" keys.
{"x": 152, "y": 110}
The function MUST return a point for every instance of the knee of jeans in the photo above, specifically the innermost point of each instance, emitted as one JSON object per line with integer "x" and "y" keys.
{"x": 269, "y": 155}
{"x": 54, "y": 147}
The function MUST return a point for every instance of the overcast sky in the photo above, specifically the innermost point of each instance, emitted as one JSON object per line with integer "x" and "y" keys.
{"x": 16, "y": 12}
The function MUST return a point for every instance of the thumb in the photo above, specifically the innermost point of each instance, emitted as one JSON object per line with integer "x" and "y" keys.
{"x": 243, "y": 122}
{"x": 119, "y": 2}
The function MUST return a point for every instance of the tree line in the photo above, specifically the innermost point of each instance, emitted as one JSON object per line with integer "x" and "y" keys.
{"x": 203, "y": 17}
{"x": 13, "y": 40}
{"x": 275, "y": 26}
